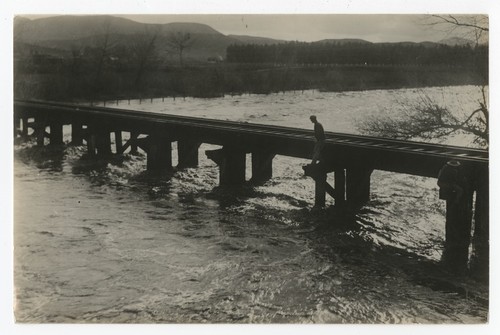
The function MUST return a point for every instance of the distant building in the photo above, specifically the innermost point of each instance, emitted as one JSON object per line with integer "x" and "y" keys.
{"x": 216, "y": 59}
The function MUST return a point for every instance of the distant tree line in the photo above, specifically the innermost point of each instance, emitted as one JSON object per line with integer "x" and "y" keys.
{"x": 215, "y": 80}
{"x": 114, "y": 70}
{"x": 359, "y": 54}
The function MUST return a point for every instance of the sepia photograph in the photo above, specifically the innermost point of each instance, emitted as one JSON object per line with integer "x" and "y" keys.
{"x": 242, "y": 168}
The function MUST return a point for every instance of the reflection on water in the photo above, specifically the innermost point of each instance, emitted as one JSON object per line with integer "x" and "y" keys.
{"x": 104, "y": 241}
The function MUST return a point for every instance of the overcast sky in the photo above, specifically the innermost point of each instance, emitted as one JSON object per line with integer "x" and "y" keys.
{"x": 310, "y": 27}
{"x": 374, "y": 28}
{"x": 261, "y": 19}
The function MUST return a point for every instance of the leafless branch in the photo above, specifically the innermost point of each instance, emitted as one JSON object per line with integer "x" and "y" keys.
{"x": 457, "y": 22}
{"x": 472, "y": 27}
{"x": 180, "y": 41}
{"x": 427, "y": 120}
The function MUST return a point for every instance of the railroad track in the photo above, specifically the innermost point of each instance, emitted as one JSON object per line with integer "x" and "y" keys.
{"x": 332, "y": 138}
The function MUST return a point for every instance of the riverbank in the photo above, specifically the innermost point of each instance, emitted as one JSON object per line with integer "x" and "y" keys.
{"x": 216, "y": 80}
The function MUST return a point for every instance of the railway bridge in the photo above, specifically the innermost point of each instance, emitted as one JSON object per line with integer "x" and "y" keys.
{"x": 351, "y": 158}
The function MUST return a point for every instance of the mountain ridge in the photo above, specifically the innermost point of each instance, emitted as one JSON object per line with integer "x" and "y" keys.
{"x": 65, "y": 32}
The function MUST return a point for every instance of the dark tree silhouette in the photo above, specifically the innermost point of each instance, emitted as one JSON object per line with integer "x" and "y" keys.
{"x": 143, "y": 50}
{"x": 359, "y": 54}
{"x": 103, "y": 45}
{"x": 180, "y": 41}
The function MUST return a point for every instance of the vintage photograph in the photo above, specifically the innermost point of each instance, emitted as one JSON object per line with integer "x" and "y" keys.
{"x": 251, "y": 168}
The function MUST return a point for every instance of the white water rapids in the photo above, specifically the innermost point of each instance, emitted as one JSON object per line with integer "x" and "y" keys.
{"x": 102, "y": 242}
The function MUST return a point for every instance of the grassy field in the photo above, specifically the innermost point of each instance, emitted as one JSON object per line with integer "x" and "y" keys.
{"x": 215, "y": 80}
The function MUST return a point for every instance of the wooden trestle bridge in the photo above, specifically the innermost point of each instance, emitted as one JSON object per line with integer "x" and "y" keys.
{"x": 351, "y": 158}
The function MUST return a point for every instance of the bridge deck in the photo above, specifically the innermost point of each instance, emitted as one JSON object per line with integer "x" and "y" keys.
{"x": 340, "y": 149}
{"x": 352, "y": 158}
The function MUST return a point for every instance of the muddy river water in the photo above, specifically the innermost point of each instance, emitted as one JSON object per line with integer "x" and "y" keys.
{"x": 100, "y": 241}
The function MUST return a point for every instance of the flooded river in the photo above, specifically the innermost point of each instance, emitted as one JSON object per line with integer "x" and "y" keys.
{"x": 100, "y": 241}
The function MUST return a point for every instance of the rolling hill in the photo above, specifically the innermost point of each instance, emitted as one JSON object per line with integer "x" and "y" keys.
{"x": 62, "y": 36}
{"x": 245, "y": 39}
{"x": 67, "y": 33}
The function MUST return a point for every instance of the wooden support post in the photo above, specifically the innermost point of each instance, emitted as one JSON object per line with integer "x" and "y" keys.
{"x": 91, "y": 142}
{"x": 17, "y": 126}
{"x": 187, "y": 151}
{"x": 233, "y": 171}
{"x": 339, "y": 197}
{"x": 262, "y": 166}
{"x": 77, "y": 133}
{"x": 103, "y": 141}
{"x": 457, "y": 186}
{"x": 24, "y": 129}
{"x": 56, "y": 132}
{"x": 143, "y": 143}
{"x": 232, "y": 165}
{"x": 458, "y": 232}
{"x": 320, "y": 190}
{"x": 118, "y": 142}
{"x": 133, "y": 145}
{"x": 319, "y": 173}
{"x": 481, "y": 239}
{"x": 39, "y": 128}
{"x": 91, "y": 139}
{"x": 357, "y": 186}
{"x": 159, "y": 153}
{"x": 98, "y": 140}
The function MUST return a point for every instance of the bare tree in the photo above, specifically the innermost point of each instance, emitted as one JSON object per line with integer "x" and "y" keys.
{"x": 426, "y": 119}
{"x": 472, "y": 27}
{"x": 180, "y": 41}
{"x": 103, "y": 45}
{"x": 143, "y": 50}
{"x": 76, "y": 58}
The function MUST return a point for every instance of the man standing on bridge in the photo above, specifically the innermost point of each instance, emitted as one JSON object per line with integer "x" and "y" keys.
{"x": 319, "y": 134}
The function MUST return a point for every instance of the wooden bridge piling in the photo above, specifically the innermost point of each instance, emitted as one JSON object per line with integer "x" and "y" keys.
{"x": 77, "y": 133}
{"x": 319, "y": 173}
{"x": 187, "y": 151}
{"x": 118, "y": 142}
{"x": 357, "y": 186}
{"x": 480, "y": 240}
{"x": 458, "y": 232}
{"x": 39, "y": 133}
{"x": 352, "y": 185}
{"x": 56, "y": 132}
{"x": 262, "y": 166}
{"x": 17, "y": 126}
{"x": 461, "y": 184}
{"x": 91, "y": 141}
{"x": 159, "y": 153}
{"x": 24, "y": 128}
{"x": 103, "y": 141}
{"x": 39, "y": 125}
{"x": 133, "y": 144}
{"x": 352, "y": 158}
{"x": 91, "y": 144}
{"x": 130, "y": 143}
{"x": 320, "y": 190}
{"x": 339, "y": 194}
{"x": 232, "y": 165}
{"x": 98, "y": 140}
